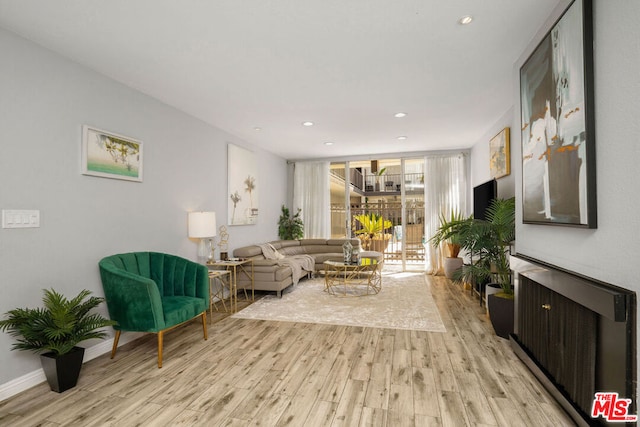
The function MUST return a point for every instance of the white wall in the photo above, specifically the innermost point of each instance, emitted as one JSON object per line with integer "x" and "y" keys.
{"x": 44, "y": 101}
{"x": 480, "y": 172}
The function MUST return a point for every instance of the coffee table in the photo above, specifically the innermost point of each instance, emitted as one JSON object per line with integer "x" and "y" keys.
{"x": 357, "y": 279}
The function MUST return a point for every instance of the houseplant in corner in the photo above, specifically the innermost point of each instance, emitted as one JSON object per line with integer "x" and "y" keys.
{"x": 55, "y": 331}
{"x": 450, "y": 234}
{"x": 290, "y": 227}
{"x": 372, "y": 234}
{"x": 488, "y": 240}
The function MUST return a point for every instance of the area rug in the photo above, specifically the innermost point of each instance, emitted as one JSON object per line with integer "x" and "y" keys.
{"x": 405, "y": 302}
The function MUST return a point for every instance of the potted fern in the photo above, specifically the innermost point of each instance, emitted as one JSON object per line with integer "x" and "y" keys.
{"x": 55, "y": 330}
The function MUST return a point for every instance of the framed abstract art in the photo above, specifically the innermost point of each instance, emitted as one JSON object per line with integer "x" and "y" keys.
{"x": 557, "y": 118}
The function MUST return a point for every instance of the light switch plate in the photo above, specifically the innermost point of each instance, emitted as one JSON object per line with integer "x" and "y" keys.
{"x": 20, "y": 218}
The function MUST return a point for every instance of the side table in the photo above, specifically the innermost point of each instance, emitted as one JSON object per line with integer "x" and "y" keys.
{"x": 223, "y": 277}
{"x": 235, "y": 267}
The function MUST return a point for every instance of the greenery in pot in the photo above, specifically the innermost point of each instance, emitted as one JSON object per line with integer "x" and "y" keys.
{"x": 290, "y": 227}
{"x": 488, "y": 241}
{"x": 448, "y": 233}
{"x": 57, "y": 327}
{"x": 373, "y": 229}
{"x": 378, "y": 175}
{"x": 373, "y": 225}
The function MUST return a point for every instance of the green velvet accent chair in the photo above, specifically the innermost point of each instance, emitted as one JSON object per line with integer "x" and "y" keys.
{"x": 153, "y": 292}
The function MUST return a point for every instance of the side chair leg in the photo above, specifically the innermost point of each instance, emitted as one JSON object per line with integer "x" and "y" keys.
{"x": 160, "y": 339}
{"x": 204, "y": 325}
{"x": 115, "y": 344}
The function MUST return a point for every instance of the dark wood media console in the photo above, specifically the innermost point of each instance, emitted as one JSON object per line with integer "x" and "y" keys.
{"x": 576, "y": 334}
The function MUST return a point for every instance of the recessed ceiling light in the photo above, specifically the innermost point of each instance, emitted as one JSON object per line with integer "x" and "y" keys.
{"x": 307, "y": 123}
{"x": 465, "y": 20}
{"x": 402, "y": 138}
{"x": 328, "y": 143}
{"x": 399, "y": 115}
{"x": 257, "y": 128}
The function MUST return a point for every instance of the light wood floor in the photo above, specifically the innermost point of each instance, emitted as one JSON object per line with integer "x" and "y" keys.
{"x": 263, "y": 373}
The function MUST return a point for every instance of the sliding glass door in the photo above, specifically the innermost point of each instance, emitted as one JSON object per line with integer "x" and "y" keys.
{"x": 392, "y": 189}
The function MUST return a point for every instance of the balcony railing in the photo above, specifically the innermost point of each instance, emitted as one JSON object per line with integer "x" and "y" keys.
{"x": 408, "y": 236}
{"x": 382, "y": 183}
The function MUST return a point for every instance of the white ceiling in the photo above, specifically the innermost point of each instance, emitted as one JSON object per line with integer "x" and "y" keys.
{"x": 347, "y": 65}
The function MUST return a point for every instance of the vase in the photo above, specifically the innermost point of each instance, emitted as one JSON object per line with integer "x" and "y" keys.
{"x": 451, "y": 265}
{"x": 62, "y": 371}
{"x": 501, "y": 314}
{"x": 347, "y": 249}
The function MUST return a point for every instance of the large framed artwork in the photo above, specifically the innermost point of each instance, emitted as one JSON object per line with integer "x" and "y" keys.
{"x": 558, "y": 145}
{"x": 243, "y": 186}
{"x": 109, "y": 155}
{"x": 499, "y": 155}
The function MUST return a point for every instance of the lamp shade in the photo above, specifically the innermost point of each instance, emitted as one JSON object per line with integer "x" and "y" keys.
{"x": 202, "y": 224}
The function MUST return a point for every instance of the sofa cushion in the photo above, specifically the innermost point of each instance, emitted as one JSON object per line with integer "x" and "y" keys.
{"x": 293, "y": 250}
{"x": 248, "y": 252}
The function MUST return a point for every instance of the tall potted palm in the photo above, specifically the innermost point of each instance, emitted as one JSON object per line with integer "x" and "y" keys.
{"x": 449, "y": 234}
{"x": 55, "y": 330}
{"x": 489, "y": 241}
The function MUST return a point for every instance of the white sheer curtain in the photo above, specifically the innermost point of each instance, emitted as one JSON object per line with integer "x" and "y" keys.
{"x": 446, "y": 188}
{"x": 311, "y": 194}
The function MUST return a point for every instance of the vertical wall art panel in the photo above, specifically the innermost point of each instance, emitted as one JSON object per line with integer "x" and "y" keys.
{"x": 500, "y": 154}
{"x": 558, "y": 145}
{"x": 243, "y": 186}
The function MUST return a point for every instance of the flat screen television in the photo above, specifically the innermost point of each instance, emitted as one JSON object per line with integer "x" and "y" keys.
{"x": 483, "y": 194}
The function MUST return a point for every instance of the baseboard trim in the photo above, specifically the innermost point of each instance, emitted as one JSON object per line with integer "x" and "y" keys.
{"x": 36, "y": 377}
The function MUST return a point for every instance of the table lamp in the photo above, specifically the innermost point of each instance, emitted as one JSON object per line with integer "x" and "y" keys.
{"x": 202, "y": 225}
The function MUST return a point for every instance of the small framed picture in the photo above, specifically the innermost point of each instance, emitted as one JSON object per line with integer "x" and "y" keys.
{"x": 109, "y": 155}
{"x": 499, "y": 158}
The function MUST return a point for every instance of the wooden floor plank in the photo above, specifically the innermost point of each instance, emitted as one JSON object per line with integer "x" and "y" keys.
{"x": 351, "y": 403}
{"x": 425, "y": 393}
{"x": 379, "y": 386}
{"x": 452, "y": 409}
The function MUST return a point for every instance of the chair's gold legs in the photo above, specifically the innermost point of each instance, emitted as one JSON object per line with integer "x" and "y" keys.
{"x": 204, "y": 324}
{"x": 160, "y": 338}
{"x": 115, "y": 344}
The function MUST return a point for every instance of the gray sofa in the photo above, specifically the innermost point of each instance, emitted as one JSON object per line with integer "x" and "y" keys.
{"x": 269, "y": 275}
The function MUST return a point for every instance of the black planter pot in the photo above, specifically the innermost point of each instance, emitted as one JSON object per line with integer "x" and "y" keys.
{"x": 501, "y": 315}
{"x": 62, "y": 371}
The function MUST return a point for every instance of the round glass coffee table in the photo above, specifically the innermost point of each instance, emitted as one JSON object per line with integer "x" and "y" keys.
{"x": 357, "y": 279}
